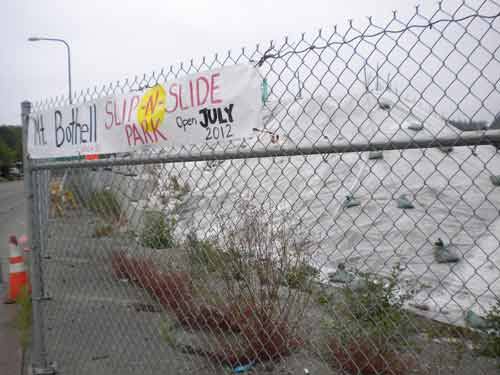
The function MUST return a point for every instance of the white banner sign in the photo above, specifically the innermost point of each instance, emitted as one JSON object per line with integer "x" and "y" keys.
{"x": 216, "y": 106}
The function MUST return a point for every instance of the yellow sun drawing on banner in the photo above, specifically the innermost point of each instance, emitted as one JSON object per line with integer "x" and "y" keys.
{"x": 151, "y": 110}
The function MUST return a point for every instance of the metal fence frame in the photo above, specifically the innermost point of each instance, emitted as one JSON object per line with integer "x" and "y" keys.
{"x": 37, "y": 189}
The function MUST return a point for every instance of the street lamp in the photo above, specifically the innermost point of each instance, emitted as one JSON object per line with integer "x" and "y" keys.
{"x": 37, "y": 39}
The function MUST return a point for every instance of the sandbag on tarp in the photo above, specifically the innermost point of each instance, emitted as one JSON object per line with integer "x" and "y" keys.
{"x": 374, "y": 155}
{"x": 341, "y": 275}
{"x": 443, "y": 254}
{"x": 404, "y": 202}
{"x": 350, "y": 201}
{"x": 475, "y": 321}
{"x": 495, "y": 180}
{"x": 416, "y": 126}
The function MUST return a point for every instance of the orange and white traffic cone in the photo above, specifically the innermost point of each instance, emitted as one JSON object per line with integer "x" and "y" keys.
{"x": 18, "y": 277}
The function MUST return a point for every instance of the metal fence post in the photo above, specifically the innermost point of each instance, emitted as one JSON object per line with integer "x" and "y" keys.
{"x": 39, "y": 357}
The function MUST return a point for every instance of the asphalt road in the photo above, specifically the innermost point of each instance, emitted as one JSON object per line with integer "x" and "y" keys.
{"x": 12, "y": 218}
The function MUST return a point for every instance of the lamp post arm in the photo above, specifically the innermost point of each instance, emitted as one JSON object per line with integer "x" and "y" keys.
{"x": 69, "y": 63}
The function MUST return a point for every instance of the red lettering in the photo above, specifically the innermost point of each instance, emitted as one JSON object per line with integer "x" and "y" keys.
{"x": 116, "y": 117}
{"x": 207, "y": 85}
{"x": 157, "y": 132}
{"x": 173, "y": 93}
{"x": 128, "y": 133}
{"x": 145, "y": 133}
{"x": 124, "y": 110}
{"x": 133, "y": 105}
{"x": 180, "y": 99}
{"x": 213, "y": 88}
{"x": 137, "y": 135}
{"x": 109, "y": 113}
{"x": 191, "y": 92}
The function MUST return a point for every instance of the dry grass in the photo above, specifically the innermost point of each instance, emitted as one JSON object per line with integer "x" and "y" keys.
{"x": 368, "y": 356}
{"x": 263, "y": 337}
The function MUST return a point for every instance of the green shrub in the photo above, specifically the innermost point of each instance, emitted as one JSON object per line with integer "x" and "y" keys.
{"x": 174, "y": 183}
{"x": 491, "y": 344}
{"x": 176, "y": 186}
{"x": 323, "y": 297}
{"x": 372, "y": 309}
{"x": 103, "y": 230}
{"x": 105, "y": 204}
{"x": 204, "y": 254}
{"x": 157, "y": 233}
{"x": 262, "y": 249}
{"x": 167, "y": 329}
{"x": 299, "y": 276}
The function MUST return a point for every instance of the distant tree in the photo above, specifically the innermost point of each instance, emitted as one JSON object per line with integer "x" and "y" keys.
{"x": 12, "y": 136}
{"x": 7, "y": 156}
{"x": 10, "y": 147}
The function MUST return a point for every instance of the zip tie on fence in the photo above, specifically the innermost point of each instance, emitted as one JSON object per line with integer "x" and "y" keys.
{"x": 429, "y": 25}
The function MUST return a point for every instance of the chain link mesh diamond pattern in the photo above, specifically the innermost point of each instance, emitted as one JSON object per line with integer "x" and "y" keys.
{"x": 357, "y": 232}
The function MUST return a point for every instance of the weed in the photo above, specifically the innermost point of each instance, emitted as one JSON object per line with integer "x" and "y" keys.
{"x": 300, "y": 276}
{"x": 265, "y": 245}
{"x": 323, "y": 299}
{"x": 252, "y": 258}
{"x": 60, "y": 199}
{"x": 177, "y": 188}
{"x": 174, "y": 183}
{"x": 264, "y": 338}
{"x": 173, "y": 290}
{"x": 371, "y": 313}
{"x": 23, "y": 319}
{"x": 103, "y": 230}
{"x": 263, "y": 313}
{"x": 437, "y": 330}
{"x": 457, "y": 338}
{"x": 105, "y": 204}
{"x": 166, "y": 332}
{"x": 269, "y": 339}
{"x": 119, "y": 264}
{"x": 491, "y": 343}
{"x": 205, "y": 255}
{"x": 262, "y": 253}
{"x": 157, "y": 232}
{"x": 369, "y": 356}
{"x": 377, "y": 305}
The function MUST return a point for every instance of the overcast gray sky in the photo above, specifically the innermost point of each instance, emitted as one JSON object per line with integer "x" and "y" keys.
{"x": 114, "y": 39}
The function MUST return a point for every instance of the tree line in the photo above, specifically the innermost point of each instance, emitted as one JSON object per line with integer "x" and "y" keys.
{"x": 11, "y": 148}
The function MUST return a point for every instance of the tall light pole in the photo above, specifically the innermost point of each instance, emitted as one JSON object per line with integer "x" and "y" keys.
{"x": 37, "y": 39}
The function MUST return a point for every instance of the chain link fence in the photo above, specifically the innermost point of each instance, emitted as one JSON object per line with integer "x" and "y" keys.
{"x": 357, "y": 232}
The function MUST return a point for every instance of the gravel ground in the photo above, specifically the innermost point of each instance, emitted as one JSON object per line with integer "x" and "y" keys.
{"x": 92, "y": 324}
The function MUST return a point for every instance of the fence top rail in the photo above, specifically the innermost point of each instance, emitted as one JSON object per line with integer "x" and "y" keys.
{"x": 470, "y": 138}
